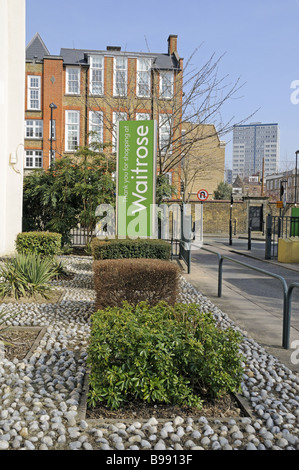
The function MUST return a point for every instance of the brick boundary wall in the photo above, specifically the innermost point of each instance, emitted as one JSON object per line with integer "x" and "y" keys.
{"x": 216, "y": 214}
{"x": 216, "y": 217}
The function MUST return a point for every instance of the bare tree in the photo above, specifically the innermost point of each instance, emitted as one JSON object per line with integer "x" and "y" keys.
{"x": 198, "y": 96}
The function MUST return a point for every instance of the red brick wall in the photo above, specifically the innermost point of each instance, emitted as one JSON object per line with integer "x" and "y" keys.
{"x": 52, "y": 92}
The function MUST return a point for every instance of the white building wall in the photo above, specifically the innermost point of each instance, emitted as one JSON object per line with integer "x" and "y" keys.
{"x": 12, "y": 87}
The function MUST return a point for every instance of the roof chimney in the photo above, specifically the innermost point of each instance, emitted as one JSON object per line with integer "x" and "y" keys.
{"x": 113, "y": 48}
{"x": 172, "y": 44}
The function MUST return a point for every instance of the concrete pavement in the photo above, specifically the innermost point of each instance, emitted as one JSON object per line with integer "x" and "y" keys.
{"x": 262, "y": 325}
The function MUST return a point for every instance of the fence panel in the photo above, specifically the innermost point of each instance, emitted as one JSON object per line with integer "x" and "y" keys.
{"x": 282, "y": 227}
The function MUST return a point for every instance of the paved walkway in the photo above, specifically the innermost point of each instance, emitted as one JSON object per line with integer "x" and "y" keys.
{"x": 263, "y": 326}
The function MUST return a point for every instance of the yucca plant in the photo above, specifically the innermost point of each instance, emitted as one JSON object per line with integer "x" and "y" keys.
{"x": 58, "y": 268}
{"x": 27, "y": 275}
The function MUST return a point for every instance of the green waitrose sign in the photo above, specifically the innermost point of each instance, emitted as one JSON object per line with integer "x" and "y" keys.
{"x": 136, "y": 178}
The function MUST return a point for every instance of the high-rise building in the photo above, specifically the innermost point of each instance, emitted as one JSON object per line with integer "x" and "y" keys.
{"x": 256, "y": 149}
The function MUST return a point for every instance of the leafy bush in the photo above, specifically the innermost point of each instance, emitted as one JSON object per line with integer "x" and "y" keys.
{"x": 27, "y": 275}
{"x": 41, "y": 243}
{"x": 68, "y": 193}
{"x": 130, "y": 248}
{"x": 160, "y": 354}
{"x": 135, "y": 280}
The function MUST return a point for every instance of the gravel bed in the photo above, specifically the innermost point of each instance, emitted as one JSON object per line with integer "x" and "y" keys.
{"x": 40, "y": 397}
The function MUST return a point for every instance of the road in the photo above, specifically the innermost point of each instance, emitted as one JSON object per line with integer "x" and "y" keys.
{"x": 260, "y": 289}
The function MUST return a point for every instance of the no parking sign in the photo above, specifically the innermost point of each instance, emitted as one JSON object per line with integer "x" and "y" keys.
{"x": 202, "y": 195}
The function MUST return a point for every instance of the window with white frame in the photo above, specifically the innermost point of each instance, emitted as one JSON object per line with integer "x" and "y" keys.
{"x": 165, "y": 133}
{"x": 34, "y": 92}
{"x": 96, "y": 80}
{"x": 33, "y": 129}
{"x": 169, "y": 177}
{"x": 166, "y": 85}
{"x": 120, "y": 76}
{"x": 96, "y": 127}
{"x": 144, "y": 77}
{"x": 33, "y": 159}
{"x": 143, "y": 117}
{"x": 72, "y": 130}
{"x": 117, "y": 116}
{"x": 72, "y": 81}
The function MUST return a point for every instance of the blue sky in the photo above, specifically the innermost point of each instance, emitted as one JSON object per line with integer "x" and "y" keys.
{"x": 259, "y": 40}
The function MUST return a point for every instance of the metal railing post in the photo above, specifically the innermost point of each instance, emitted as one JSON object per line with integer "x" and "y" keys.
{"x": 189, "y": 260}
{"x": 220, "y": 269}
{"x": 286, "y": 292}
{"x": 249, "y": 238}
{"x": 286, "y": 322}
{"x": 287, "y": 325}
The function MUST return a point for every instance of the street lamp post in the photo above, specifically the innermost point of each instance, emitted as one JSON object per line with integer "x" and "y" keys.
{"x": 296, "y": 178}
{"x": 52, "y": 106}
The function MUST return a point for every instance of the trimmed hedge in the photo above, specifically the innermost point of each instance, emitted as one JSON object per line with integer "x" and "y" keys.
{"x": 130, "y": 248}
{"x": 135, "y": 280}
{"x": 161, "y": 354}
{"x": 40, "y": 243}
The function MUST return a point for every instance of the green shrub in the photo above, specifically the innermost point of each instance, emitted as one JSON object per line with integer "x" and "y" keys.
{"x": 160, "y": 354}
{"x": 134, "y": 280}
{"x": 27, "y": 275}
{"x": 130, "y": 248}
{"x": 41, "y": 243}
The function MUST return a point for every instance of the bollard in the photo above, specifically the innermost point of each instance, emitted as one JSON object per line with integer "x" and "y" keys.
{"x": 268, "y": 237}
{"x": 249, "y": 238}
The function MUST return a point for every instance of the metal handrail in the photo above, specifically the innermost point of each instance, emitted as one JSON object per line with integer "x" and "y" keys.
{"x": 289, "y": 308}
{"x": 286, "y": 292}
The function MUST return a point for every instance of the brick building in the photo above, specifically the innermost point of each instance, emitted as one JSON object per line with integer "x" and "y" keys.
{"x": 91, "y": 90}
{"x": 287, "y": 180}
{"x": 204, "y": 160}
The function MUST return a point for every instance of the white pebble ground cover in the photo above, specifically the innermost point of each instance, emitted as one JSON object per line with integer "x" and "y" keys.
{"x": 40, "y": 397}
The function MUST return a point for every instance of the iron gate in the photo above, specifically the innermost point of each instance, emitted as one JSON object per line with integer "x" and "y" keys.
{"x": 256, "y": 218}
